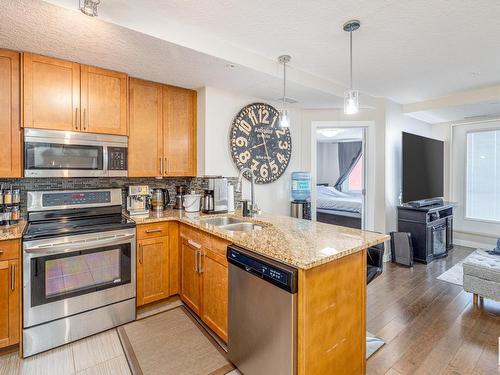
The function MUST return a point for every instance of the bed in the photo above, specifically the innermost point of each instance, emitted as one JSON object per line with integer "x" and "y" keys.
{"x": 339, "y": 208}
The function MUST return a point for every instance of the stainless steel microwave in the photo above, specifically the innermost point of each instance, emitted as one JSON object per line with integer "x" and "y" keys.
{"x": 54, "y": 153}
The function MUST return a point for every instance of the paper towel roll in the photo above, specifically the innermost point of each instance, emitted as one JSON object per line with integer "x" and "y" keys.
{"x": 230, "y": 198}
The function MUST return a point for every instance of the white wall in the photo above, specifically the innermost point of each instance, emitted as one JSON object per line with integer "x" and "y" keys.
{"x": 327, "y": 164}
{"x": 214, "y": 158}
{"x": 396, "y": 123}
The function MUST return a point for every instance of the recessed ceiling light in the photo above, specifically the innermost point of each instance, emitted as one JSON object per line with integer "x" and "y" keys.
{"x": 89, "y": 7}
{"x": 230, "y": 66}
{"x": 330, "y": 133}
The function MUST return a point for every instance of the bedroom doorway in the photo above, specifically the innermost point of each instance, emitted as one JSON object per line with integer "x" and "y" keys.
{"x": 341, "y": 176}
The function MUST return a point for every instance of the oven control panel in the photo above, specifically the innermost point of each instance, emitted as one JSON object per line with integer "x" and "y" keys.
{"x": 75, "y": 198}
{"x": 117, "y": 159}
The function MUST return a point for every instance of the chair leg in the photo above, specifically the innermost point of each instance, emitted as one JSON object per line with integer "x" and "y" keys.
{"x": 475, "y": 299}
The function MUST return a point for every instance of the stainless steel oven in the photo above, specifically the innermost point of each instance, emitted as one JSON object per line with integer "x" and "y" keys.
{"x": 53, "y": 153}
{"x": 78, "y": 267}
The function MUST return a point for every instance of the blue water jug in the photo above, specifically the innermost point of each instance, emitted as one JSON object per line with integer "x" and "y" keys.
{"x": 301, "y": 186}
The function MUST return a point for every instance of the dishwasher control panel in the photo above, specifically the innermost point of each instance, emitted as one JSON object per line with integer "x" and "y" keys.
{"x": 281, "y": 276}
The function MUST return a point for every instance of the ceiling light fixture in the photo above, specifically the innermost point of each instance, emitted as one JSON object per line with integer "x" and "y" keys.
{"x": 89, "y": 7}
{"x": 284, "y": 119}
{"x": 351, "y": 97}
{"x": 330, "y": 133}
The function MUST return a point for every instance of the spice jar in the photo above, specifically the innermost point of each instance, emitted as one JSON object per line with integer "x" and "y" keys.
{"x": 16, "y": 196}
{"x": 7, "y": 197}
{"x": 6, "y": 215}
{"x": 14, "y": 214}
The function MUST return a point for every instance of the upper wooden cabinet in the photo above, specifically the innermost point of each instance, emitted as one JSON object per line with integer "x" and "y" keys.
{"x": 103, "y": 101}
{"x": 162, "y": 132}
{"x": 51, "y": 93}
{"x": 10, "y": 131}
{"x": 64, "y": 95}
{"x": 179, "y": 124}
{"x": 145, "y": 147}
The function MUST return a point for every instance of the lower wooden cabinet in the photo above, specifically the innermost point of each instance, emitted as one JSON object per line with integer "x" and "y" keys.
{"x": 215, "y": 288}
{"x": 152, "y": 270}
{"x": 190, "y": 276}
{"x": 157, "y": 262}
{"x": 204, "y": 278}
{"x": 9, "y": 292}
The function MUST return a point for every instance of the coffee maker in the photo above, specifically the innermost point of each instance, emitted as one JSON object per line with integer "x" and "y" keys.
{"x": 180, "y": 191}
{"x": 138, "y": 200}
{"x": 215, "y": 197}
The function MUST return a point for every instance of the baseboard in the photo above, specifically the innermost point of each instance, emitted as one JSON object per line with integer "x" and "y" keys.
{"x": 472, "y": 244}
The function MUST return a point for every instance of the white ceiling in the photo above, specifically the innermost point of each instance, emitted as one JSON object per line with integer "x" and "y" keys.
{"x": 406, "y": 50}
{"x": 459, "y": 113}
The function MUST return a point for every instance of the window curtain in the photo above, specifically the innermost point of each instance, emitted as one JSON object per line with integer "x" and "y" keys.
{"x": 349, "y": 154}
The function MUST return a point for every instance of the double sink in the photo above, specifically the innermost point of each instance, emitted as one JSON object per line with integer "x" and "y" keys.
{"x": 232, "y": 224}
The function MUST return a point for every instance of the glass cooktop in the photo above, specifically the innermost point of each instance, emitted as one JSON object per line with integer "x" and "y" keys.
{"x": 65, "y": 227}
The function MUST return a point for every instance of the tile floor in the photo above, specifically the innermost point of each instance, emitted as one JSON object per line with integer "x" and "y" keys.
{"x": 101, "y": 354}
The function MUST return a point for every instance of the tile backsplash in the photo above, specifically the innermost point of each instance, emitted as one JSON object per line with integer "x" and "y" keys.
{"x": 30, "y": 184}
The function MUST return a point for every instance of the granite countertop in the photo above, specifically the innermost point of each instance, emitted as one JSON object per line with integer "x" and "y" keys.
{"x": 299, "y": 243}
{"x": 12, "y": 232}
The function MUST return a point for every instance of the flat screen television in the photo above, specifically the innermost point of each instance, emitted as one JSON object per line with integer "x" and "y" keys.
{"x": 423, "y": 168}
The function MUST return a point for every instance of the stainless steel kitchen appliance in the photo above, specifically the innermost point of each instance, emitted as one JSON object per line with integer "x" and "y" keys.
{"x": 262, "y": 326}
{"x": 54, "y": 153}
{"x": 180, "y": 191}
{"x": 160, "y": 198}
{"x": 138, "y": 200}
{"x": 215, "y": 196}
{"x": 78, "y": 267}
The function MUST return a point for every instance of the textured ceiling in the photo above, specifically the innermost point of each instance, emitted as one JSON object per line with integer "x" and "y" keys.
{"x": 43, "y": 28}
{"x": 406, "y": 50}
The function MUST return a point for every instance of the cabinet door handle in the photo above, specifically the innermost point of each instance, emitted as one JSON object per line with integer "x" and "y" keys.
{"x": 153, "y": 230}
{"x": 196, "y": 261}
{"x": 195, "y": 244}
{"x": 140, "y": 253}
{"x": 76, "y": 118}
{"x": 84, "y": 119}
{"x": 161, "y": 166}
{"x": 200, "y": 266}
{"x": 166, "y": 166}
{"x": 12, "y": 277}
{"x": 1, "y": 251}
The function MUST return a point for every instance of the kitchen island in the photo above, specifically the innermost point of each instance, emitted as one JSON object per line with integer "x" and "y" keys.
{"x": 331, "y": 263}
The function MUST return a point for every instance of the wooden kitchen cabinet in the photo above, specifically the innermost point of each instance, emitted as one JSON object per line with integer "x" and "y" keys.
{"x": 9, "y": 292}
{"x": 190, "y": 276}
{"x": 51, "y": 93}
{"x": 162, "y": 136}
{"x": 157, "y": 262}
{"x": 152, "y": 270}
{"x": 204, "y": 278}
{"x": 63, "y": 95}
{"x": 179, "y": 131}
{"x": 145, "y": 147}
{"x": 10, "y": 131}
{"x": 103, "y": 101}
{"x": 215, "y": 288}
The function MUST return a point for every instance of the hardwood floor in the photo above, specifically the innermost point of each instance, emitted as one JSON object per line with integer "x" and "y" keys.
{"x": 430, "y": 326}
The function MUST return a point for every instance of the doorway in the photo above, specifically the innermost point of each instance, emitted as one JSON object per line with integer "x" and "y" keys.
{"x": 340, "y": 175}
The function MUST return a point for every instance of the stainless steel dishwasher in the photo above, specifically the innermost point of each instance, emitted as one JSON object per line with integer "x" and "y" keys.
{"x": 262, "y": 327}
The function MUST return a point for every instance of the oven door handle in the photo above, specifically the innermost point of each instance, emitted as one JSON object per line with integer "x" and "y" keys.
{"x": 78, "y": 245}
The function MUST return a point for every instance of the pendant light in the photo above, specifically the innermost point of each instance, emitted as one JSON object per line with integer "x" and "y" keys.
{"x": 351, "y": 97}
{"x": 284, "y": 119}
{"x": 89, "y": 7}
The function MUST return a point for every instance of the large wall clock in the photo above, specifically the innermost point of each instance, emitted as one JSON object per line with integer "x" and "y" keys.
{"x": 259, "y": 143}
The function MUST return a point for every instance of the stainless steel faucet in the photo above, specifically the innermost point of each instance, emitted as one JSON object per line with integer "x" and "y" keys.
{"x": 253, "y": 206}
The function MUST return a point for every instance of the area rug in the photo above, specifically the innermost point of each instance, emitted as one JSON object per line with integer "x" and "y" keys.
{"x": 455, "y": 275}
{"x": 372, "y": 344}
{"x": 171, "y": 342}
